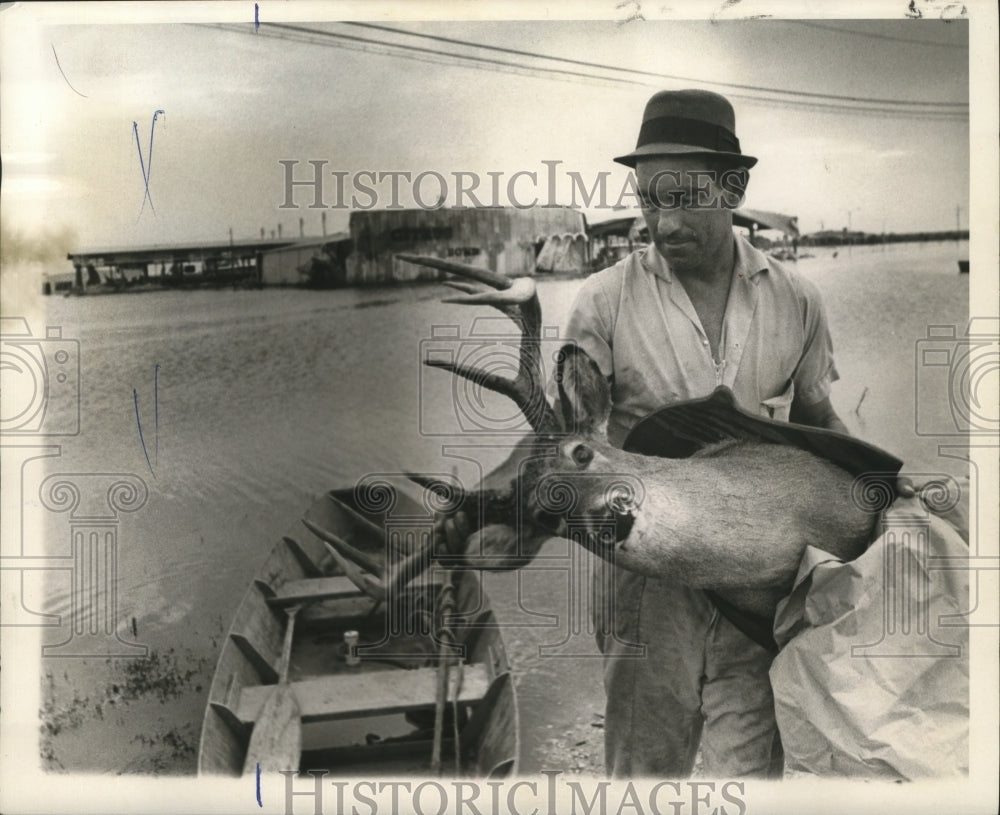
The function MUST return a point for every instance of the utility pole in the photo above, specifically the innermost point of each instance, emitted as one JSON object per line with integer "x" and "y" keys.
{"x": 850, "y": 228}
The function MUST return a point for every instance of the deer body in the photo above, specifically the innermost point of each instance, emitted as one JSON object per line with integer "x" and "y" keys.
{"x": 734, "y": 518}
{"x": 741, "y": 517}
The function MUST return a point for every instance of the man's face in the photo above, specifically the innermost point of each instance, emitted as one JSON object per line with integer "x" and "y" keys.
{"x": 688, "y": 212}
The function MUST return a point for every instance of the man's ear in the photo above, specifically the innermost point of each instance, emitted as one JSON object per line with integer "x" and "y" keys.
{"x": 584, "y": 392}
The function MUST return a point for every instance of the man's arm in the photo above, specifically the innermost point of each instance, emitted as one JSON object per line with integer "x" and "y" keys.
{"x": 818, "y": 414}
{"x": 816, "y": 370}
{"x": 822, "y": 414}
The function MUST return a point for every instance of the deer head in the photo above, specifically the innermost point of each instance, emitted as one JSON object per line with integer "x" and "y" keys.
{"x": 563, "y": 467}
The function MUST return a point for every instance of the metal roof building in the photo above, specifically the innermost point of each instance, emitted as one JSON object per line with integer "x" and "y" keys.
{"x": 223, "y": 261}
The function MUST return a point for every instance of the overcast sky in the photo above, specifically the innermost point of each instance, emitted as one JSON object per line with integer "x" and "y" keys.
{"x": 237, "y": 102}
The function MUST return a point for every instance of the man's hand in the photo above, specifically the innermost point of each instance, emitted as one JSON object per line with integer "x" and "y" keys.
{"x": 907, "y": 488}
{"x": 450, "y": 535}
{"x": 942, "y": 495}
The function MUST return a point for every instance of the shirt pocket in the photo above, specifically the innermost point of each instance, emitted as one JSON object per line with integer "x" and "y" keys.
{"x": 779, "y": 407}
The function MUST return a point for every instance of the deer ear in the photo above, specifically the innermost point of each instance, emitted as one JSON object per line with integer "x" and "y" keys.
{"x": 584, "y": 392}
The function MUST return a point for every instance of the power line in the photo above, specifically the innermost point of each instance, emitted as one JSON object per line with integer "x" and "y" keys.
{"x": 392, "y": 50}
{"x": 602, "y": 66}
{"x": 929, "y": 114}
{"x": 330, "y": 39}
{"x": 872, "y": 35}
{"x": 448, "y": 58}
{"x": 417, "y": 48}
{"x": 917, "y": 113}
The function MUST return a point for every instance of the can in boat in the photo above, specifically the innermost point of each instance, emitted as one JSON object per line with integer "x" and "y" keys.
{"x": 351, "y": 648}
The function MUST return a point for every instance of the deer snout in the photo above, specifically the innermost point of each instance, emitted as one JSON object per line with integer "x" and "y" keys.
{"x": 609, "y": 523}
{"x": 592, "y": 505}
{"x": 611, "y": 511}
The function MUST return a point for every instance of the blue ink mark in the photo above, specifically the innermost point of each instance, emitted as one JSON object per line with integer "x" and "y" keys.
{"x": 156, "y": 412}
{"x": 142, "y": 166}
{"x": 145, "y": 175}
{"x": 256, "y": 18}
{"x": 152, "y": 127}
{"x": 135, "y": 398}
{"x": 64, "y": 74}
{"x": 260, "y": 803}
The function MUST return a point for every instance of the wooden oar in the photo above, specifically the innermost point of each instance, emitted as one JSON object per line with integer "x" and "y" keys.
{"x": 276, "y": 741}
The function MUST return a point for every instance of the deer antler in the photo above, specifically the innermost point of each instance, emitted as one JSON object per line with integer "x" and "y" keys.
{"x": 518, "y": 300}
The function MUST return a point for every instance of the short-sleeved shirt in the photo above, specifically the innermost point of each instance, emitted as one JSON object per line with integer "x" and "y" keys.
{"x": 636, "y": 322}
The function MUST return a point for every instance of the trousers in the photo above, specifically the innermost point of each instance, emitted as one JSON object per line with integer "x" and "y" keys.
{"x": 700, "y": 682}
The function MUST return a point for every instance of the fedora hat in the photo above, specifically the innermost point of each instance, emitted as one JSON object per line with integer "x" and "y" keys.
{"x": 688, "y": 122}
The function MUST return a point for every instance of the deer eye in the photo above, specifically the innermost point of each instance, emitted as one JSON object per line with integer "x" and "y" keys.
{"x": 582, "y": 455}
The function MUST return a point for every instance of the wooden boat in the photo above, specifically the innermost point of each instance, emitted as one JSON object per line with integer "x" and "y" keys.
{"x": 379, "y": 716}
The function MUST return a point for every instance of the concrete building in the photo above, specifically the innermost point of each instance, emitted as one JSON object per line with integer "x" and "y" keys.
{"x": 504, "y": 239}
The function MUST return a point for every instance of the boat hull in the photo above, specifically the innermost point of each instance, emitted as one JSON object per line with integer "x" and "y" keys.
{"x": 376, "y": 717}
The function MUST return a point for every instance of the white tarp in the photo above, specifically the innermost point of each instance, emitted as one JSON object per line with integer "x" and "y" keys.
{"x": 873, "y": 676}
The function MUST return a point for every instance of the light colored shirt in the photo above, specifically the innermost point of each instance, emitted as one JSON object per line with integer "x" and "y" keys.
{"x": 636, "y": 322}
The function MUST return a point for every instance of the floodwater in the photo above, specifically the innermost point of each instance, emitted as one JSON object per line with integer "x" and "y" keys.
{"x": 253, "y": 403}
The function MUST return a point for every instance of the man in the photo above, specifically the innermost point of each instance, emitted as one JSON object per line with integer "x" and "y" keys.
{"x": 698, "y": 308}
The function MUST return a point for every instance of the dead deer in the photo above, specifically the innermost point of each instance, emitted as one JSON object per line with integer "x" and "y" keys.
{"x": 734, "y": 518}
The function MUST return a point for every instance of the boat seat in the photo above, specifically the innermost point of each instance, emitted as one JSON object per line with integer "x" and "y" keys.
{"x": 313, "y": 589}
{"x": 358, "y": 694}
